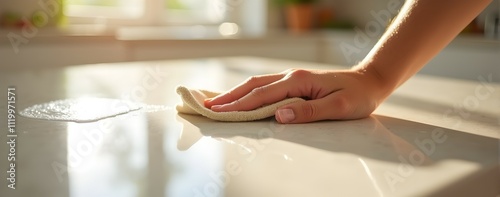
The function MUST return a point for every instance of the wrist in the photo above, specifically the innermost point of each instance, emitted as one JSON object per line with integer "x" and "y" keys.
{"x": 384, "y": 85}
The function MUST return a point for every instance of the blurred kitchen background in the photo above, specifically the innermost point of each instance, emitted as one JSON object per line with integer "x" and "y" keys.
{"x": 55, "y": 33}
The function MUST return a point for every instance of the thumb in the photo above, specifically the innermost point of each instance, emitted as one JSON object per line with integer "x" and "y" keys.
{"x": 327, "y": 108}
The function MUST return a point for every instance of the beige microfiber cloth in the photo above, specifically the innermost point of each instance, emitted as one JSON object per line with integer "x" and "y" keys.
{"x": 193, "y": 103}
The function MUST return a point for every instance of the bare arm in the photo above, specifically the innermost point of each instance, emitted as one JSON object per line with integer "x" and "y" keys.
{"x": 419, "y": 32}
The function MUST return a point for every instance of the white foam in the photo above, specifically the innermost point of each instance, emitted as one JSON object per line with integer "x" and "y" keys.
{"x": 85, "y": 109}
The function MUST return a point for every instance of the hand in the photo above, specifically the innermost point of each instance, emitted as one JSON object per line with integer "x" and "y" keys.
{"x": 332, "y": 95}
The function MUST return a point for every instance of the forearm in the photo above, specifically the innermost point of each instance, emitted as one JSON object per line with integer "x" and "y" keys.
{"x": 418, "y": 33}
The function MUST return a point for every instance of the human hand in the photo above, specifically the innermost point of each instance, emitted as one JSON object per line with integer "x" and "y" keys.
{"x": 332, "y": 95}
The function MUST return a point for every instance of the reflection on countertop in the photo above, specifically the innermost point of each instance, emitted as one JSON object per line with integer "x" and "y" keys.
{"x": 401, "y": 150}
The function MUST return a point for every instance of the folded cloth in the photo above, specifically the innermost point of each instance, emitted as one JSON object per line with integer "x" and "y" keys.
{"x": 193, "y": 103}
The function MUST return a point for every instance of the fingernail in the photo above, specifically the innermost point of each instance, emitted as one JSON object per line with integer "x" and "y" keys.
{"x": 286, "y": 115}
{"x": 206, "y": 102}
{"x": 216, "y": 107}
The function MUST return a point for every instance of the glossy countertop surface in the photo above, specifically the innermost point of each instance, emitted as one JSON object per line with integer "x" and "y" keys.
{"x": 432, "y": 137}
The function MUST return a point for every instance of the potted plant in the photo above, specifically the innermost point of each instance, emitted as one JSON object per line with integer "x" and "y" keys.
{"x": 299, "y": 14}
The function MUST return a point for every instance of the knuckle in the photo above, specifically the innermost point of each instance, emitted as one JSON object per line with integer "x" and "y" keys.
{"x": 341, "y": 106}
{"x": 253, "y": 80}
{"x": 259, "y": 91}
{"x": 289, "y": 70}
{"x": 309, "y": 111}
{"x": 299, "y": 74}
{"x": 236, "y": 103}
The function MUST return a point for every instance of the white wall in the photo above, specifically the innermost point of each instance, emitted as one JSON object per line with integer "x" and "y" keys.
{"x": 465, "y": 58}
{"x": 46, "y": 53}
{"x": 303, "y": 49}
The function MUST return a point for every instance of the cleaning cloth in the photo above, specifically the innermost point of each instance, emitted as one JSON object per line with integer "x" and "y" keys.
{"x": 193, "y": 103}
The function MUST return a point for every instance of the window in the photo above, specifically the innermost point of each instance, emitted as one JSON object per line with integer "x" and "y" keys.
{"x": 170, "y": 17}
{"x": 146, "y": 12}
{"x": 202, "y": 11}
{"x": 105, "y": 8}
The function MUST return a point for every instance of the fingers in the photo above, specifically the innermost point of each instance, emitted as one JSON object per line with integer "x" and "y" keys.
{"x": 242, "y": 89}
{"x": 259, "y": 96}
{"x": 332, "y": 107}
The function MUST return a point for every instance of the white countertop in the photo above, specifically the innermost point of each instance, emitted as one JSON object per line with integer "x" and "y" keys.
{"x": 432, "y": 137}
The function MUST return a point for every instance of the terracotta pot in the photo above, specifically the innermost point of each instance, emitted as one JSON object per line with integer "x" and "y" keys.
{"x": 299, "y": 17}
